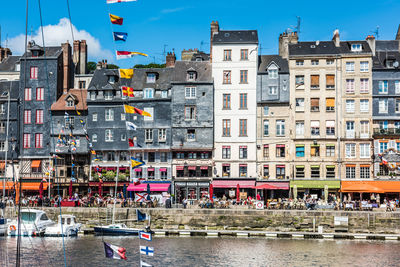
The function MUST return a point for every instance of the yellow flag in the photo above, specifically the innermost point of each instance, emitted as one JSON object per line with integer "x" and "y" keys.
{"x": 133, "y": 110}
{"x": 126, "y": 73}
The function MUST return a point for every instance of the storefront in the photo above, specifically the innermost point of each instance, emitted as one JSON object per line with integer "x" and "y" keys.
{"x": 191, "y": 190}
{"x": 229, "y": 188}
{"x": 271, "y": 190}
{"x": 316, "y": 188}
{"x": 159, "y": 191}
{"x": 107, "y": 188}
{"x": 363, "y": 189}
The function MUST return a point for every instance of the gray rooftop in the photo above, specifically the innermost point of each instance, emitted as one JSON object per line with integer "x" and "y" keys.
{"x": 234, "y": 37}
{"x": 51, "y": 52}
{"x": 100, "y": 79}
{"x": 8, "y": 64}
{"x": 5, "y": 87}
{"x": 313, "y": 48}
{"x": 345, "y": 47}
{"x": 163, "y": 78}
{"x": 265, "y": 60}
{"x": 381, "y": 57}
{"x": 203, "y": 70}
{"x": 384, "y": 45}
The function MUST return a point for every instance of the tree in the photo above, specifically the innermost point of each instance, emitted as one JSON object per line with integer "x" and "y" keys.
{"x": 91, "y": 66}
{"x": 112, "y": 66}
{"x": 151, "y": 65}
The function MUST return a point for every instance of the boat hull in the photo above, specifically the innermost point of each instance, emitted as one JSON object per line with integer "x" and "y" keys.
{"x": 112, "y": 231}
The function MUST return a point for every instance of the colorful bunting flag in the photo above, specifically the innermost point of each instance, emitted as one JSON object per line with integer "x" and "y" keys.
{"x": 127, "y": 91}
{"x": 119, "y": 1}
{"x": 115, "y": 252}
{"x": 136, "y": 162}
{"x": 116, "y": 20}
{"x": 128, "y": 54}
{"x": 126, "y": 73}
{"x": 120, "y": 36}
{"x": 144, "y": 264}
{"x": 133, "y": 110}
{"x": 131, "y": 143}
{"x": 130, "y": 126}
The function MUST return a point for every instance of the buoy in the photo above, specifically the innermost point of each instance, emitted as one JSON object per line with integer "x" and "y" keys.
{"x": 13, "y": 228}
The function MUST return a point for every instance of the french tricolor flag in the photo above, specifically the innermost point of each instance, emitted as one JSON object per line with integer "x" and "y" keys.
{"x": 145, "y": 235}
{"x": 114, "y": 252}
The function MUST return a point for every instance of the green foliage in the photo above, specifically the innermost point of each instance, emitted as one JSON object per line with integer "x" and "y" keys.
{"x": 91, "y": 66}
{"x": 109, "y": 176}
{"x": 151, "y": 65}
{"x": 112, "y": 66}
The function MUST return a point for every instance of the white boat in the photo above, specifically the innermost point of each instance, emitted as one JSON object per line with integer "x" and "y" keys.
{"x": 69, "y": 226}
{"x": 33, "y": 223}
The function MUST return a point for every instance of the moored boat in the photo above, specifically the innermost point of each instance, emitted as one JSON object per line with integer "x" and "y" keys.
{"x": 66, "y": 226}
{"x": 115, "y": 229}
{"x": 33, "y": 223}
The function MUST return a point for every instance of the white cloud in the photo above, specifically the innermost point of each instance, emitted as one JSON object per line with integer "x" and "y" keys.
{"x": 54, "y": 35}
{"x": 172, "y": 10}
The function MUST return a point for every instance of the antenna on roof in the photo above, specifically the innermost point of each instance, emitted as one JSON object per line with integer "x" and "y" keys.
{"x": 297, "y": 28}
{"x": 164, "y": 51}
{"x": 376, "y": 32}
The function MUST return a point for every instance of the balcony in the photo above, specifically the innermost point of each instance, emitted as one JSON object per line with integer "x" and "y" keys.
{"x": 395, "y": 132}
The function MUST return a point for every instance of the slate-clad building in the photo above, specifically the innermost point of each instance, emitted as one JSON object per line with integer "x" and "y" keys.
{"x": 192, "y": 128}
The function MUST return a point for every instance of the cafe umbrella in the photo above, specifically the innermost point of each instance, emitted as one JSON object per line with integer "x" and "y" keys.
{"x": 41, "y": 189}
{"x": 70, "y": 189}
{"x": 211, "y": 191}
{"x": 237, "y": 193}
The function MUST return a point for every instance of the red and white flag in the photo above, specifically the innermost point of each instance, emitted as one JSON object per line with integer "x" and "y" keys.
{"x": 128, "y": 54}
{"x": 119, "y": 1}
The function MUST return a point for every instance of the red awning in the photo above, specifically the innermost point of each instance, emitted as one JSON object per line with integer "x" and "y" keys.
{"x": 36, "y": 163}
{"x": 179, "y": 168}
{"x": 163, "y": 169}
{"x": 154, "y": 187}
{"x": 192, "y": 168}
{"x": 272, "y": 185}
{"x": 203, "y": 167}
{"x": 242, "y": 165}
{"x": 233, "y": 183}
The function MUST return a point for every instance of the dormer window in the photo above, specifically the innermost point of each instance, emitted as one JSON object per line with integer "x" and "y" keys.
{"x": 356, "y": 47}
{"x": 389, "y": 63}
{"x": 112, "y": 79}
{"x": 108, "y": 95}
{"x": 148, "y": 93}
{"x": 70, "y": 103}
{"x": 191, "y": 76}
{"x": 273, "y": 72}
{"x": 151, "y": 77}
{"x": 35, "y": 53}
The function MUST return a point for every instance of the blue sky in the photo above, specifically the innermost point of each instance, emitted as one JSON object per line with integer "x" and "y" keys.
{"x": 182, "y": 24}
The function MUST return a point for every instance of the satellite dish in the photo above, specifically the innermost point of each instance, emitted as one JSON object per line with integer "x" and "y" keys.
{"x": 395, "y": 64}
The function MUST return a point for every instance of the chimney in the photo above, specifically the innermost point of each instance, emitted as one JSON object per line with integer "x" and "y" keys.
{"x": 214, "y": 30}
{"x": 83, "y": 57}
{"x": 66, "y": 49}
{"x": 170, "y": 59}
{"x": 336, "y": 38}
{"x": 75, "y": 56}
{"x": 371, "y": 42}
{"x": 4, "y": 53}
{"x": 285, "y": 39}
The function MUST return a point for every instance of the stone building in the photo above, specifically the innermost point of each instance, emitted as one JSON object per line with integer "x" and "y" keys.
{"x": 9, "y": 68}
{"x": 192, "y": 120}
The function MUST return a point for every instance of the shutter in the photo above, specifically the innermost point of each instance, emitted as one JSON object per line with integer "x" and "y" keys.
{"x": 314, "y": 80}
{"x": 330, "y": 79}
{"x": 330, "y": 102}
{"x": 330, "y": 123}
{"x": 314, "y": 123}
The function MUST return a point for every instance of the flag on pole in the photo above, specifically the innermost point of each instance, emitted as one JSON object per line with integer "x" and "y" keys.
{"x": 126, "y": 73}
{"x": 130, "y": 126}
{"x": 384, "y": 161}
{"x": 143, "y": 264}
{"x": 149, "y": 251}
{"x": 136, "y": 162}
{"x": 141, "y": 216}
{"x": 145, "y": 235}
{"x": 128, "y": 54}
{"x": 127, "y": 91}
{"x": 133, "y": 110}
{"x": 120, "y": 36}
{"x": 115, "y": 252}
{"x": 119, "y": 1}
{"x": 116, "y": 20}
{"x": 131, "y": 143}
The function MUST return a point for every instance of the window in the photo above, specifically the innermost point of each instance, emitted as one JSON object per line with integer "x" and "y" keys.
{"x": 94, "y": 138}
{"x": 266, "y": 151}
{"x": 2, "y": 127}
{"x": 383, "y": 147}
{"x": 364, "y": 105}
{"x": 280, "y": 172}
{"x": 273, "y": 72}
{"x": 191, "y": 135}
{"x": 27, "y": 140}
{"x": 300, "y": 151}
{"x": 94, "y": 116}
{"x": 299, "y": 104}
{"x": 397, "y": 87}
{"x": 148, "y": 135}
{"x": 266, "y": 127}
{"x": 315, "y": 151}
{"x": 244, "y": 54}
{"x": 330, "y": 172}
{"x": 330, "y": 127}
{"x": 151, "y": 77}
{"x": 330, "y": 104}
{"x": 227, "y": 55}
{"x": 350, "y": 172}
{"x": 273, "y": 90}
{"x": 350, "y": 86}
{"x": 2, "y": 148}
{"x": 315, "y": 173}
{"x": 350, "y": 106}
{"x": 364, "y": 66}
{"x": 39, "y": 116}
{"x": 300, "y": 172}
{"x": 364, "y": 86}
{"x": 227, "y": 77}
{"x": 164, "y": 94}
{"x": 108, "y": 95}
{"x": 163, "y": 156}
{"x": 243, "y": 152}
{"x": 190, "y": 92}
{"x": 148, "y": 93}
{"x": 147, "y": 118}
{"x": 226, "y": 128}
{"x": 226, "y": 102}
{"x": 383, "y": 87}
{"x": 299, "y": 62}
{"x": 314, "y": 81}
{"x": 123, "y": 137}
{"x": 39, "y": 94}
{"x": 314, "y": 127}
{"x": 299, "y": 128}
{"x": 28, "y": 94}
{"x": 93, "y": 96}
{"x": 27, "y": 116}
{"x": 190, "y": 112}
{"x": 109, "y": 137}
{"x": 364, "y": 129}
{"x": 242, "y": 127}
{"x": 315, "y": 104}
{"x": 38, "y": 140}
{"x": 266, "y": 110}
{"x": 383, "y": 105}
{"x": 151, "y": 156}
{"x": 330, "y": 150}
{"x": 162, "y": 135}
{"x": 356, "y": 47}
{"x": 350, "y": 129}
{"x": 243, "y": 76}
{"x": 226, "y": 170}
{"x": 70, "y": 103}
{"x": 82, "y": 84}
{"x": 350, "y": 150}
{"x": 330, "y": 62}
{"x": 109, "y": 114}
{"x": 280, "y": 127}
{"x": 330, "y": 81}
{"x": 243, "y": 101}
{"x": 123, "y": 116}
{"x": 243, "y": 170}
{"x": 299, "y": 81}
{"x": 266, "y": 171}
{"x": 364, "y": 172}
{"x": 364, "y": 150}
{"x": 315, "y": 62}
{"x": 34, "y": 73}
{"x": 383, "y": 124}
{"x": 349, "y": 66}
{"x": 280, "y": 151}
{"x": 191, "y": 76}
{"x": 226, "y": 152}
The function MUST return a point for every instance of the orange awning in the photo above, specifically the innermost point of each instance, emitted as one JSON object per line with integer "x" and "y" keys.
{"x": 371, "y": 186}
{"x": 25, "y": 186}
{"x": 36, "y": 163}
{"x": 2, "y": 165}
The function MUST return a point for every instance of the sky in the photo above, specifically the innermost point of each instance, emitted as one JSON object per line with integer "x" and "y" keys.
{"x": 155, "y": 25}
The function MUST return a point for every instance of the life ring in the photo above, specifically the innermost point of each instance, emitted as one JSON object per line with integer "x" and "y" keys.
{"x": 13, "y": 228}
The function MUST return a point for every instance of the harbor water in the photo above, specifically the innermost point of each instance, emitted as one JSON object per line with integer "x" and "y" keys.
{"x": 200, "y": 251}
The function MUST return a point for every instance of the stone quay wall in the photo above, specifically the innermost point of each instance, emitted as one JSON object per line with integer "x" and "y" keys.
{"x": 236, "y": 219}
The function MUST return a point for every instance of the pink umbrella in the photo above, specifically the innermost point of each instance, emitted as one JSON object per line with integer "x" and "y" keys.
{"x": 211, "y": 192}
{"x": 237, "y": 193}
{"x": 70, "y": 189}
{"x": 41, "y": 189}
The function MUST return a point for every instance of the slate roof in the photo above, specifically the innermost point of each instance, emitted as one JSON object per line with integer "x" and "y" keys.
{"x": 100, "y": 80}
{"x": 379, "y": 60}
{"x": 80, "y": 100}
{"x": 163, "y": 78}
{"x": 345, "y": 47}
{"x": 5, "y": 86}
{"x": 311, "y": 48}
{"x": 386, "y": 45}
{"x": 8, "y": 64}
{"x": 265, "y": 60}
{"x": 203, "y": 70}
{"x": 202, "y": 55}
{"x": 51, "y": 52}
{"x": 234, "y": 37}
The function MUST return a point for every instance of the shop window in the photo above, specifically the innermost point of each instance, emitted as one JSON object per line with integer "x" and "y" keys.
{"x": 192, "y": 194}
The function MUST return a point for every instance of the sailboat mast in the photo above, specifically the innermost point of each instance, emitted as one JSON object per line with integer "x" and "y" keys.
{"x": 6, "y": 144}
{"x": 116, "y": 187}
